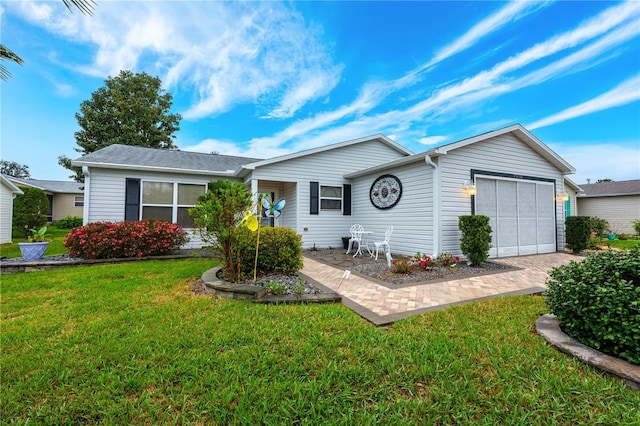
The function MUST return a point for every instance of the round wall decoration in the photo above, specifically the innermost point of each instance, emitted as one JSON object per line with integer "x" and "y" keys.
{"x": 385, "y": 191}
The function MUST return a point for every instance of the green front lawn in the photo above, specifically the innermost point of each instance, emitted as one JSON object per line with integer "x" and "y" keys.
{"x": 55, "y": 247}
{"x": 129, "y": 343}
{"x": 624, "y": 244}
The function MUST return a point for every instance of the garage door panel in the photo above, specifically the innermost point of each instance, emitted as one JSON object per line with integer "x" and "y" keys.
{"x": 527, "y": 231}
{"x": 526, "y": 200}
{"x": 521, "y": 214}
{"x": 486, "y": 204}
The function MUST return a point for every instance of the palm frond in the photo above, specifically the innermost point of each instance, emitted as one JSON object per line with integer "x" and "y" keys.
{"x": 84, "y": 6}
{"x": 7, "y": 54}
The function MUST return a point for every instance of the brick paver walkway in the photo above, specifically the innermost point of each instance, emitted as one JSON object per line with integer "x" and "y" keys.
{"x": 383, "y": 305}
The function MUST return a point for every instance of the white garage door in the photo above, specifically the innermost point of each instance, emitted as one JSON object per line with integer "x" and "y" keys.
{"x": 521, "y": 213}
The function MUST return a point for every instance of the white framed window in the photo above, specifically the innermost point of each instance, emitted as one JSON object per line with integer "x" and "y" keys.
{"x": 78, "y": 201}
{"x": 170, "y": 201}
{"x": 331, "y": 198}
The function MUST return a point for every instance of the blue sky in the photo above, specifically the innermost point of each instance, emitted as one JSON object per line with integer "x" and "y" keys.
{"x": 262, "y": 79}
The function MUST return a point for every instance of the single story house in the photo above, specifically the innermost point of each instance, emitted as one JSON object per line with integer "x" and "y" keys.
{"x": 507, "y": 174}
{"x": 8, "y": 191}
{"x": 616, "y": 202}
{"x": 66, "y": 198}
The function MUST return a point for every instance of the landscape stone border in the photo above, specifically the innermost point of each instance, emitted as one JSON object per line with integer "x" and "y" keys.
{"x": 259, "y": 294}
{"x": 549, "y": 328}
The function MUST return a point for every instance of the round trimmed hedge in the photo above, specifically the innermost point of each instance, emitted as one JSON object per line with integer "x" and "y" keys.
{"x": 597, "y": 301}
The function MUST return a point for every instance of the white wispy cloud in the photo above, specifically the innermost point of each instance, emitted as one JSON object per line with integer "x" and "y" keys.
{"x": 262, "y": 53}
{"x": 507, "y": 15}
{"x": 626, "y": 92}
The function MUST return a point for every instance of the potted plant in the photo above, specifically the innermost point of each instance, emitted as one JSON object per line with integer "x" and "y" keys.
{"x": 36, "y": 244}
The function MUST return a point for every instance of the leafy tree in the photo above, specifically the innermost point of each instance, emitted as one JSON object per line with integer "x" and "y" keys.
{"x": 11, "y": 168}
{"x": 84, "y": 6}
{"x": 30, "y": 209}
{"x": 131, "y": 109}
{"x": 217, "y": 215}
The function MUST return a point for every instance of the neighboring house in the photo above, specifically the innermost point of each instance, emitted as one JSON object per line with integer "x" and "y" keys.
{"x": 9, "y": 192}
{"x": 66, "y": 198}
{"x": 616, "y": 202}
{"x": 372, "y": 181}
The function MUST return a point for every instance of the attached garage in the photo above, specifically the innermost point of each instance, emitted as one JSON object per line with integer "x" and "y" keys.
{"x": 521, "y": 212}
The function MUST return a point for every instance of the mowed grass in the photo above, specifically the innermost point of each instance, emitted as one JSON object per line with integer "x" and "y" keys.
{"x": 625, "y": 244}
{"x": 130, "y": 344}
{"x": 55, "y": 247}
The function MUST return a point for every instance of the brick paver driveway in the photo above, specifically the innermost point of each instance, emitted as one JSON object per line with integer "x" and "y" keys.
{"x": 383, "y": 305}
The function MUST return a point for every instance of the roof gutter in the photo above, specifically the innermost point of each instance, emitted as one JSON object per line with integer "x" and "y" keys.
{"x": 228, "y": 173}
{"x": 436, "y": 204}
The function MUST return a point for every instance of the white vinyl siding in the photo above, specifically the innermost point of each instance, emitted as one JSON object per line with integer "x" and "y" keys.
{"x": 619, "y": 211}
{"x": 411, "y": 217}
{"x": 327, "y": 168}
{"x": 502, "y": 154}
{"x": 105, "y": 202}
{"x": 6, "y": 213}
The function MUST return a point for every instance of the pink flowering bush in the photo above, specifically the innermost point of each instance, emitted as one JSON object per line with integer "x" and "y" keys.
{"x": 110, "y": 240}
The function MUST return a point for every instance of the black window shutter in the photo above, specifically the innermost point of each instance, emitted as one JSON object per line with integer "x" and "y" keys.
{"x": 132, "y": 200}
{"x": 315, "y": 197}
{"x": 346, "y": 197}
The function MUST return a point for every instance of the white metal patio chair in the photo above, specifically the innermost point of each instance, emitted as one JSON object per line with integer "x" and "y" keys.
{"x": 356, "y": 237}
{"x": 384, "y": 245}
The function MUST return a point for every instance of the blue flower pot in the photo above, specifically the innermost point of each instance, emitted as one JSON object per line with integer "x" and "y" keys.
{"x": 611, "y": 236}
{"x": 33, "y": 251}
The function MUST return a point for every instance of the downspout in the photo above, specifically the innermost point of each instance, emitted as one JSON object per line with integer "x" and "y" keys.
{"x": 87, "y": 195}
{"x": 436, "y": 205}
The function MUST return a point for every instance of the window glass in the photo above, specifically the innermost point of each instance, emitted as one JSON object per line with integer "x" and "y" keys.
{"x": 184, "y": 219}
{"x": 79, "y": 201}
{"x": 331, "y": 191}
{"x": 326, "y": 204}
{"x": 188, "y": 194}
{"x": 331, "y": 198}
{"x": 153, "y": 212}
{"x": 157, "y": 193}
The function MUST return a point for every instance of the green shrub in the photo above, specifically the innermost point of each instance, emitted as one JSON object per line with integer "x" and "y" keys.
{"x": 623, "y": 237}
{"x": 111, "y": 240}
{"x": 635, "y": 223}
{"x": 594, "y": 242}
{"x": 218, "y": 215}
{"x": 476, "y": 238}
{"x": 30, "y": 210}
{"x": 578, "y": 230}
{"x": 280, "y": 251}
{"x": 69, "y": 222}
{"x": 599, "y": 226}
{"x": 597, "y": 301}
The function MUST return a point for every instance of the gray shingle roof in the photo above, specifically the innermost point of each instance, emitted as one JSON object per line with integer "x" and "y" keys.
{"x": 139, "y": 157}
{"x": 57, "y": 186}
{"x": 623, "y": 187}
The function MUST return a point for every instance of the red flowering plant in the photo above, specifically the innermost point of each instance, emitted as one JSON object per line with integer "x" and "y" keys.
{"x": 402, "y": 266}
{"x": 111, "y": 240}
{"x": 424, "y": 261}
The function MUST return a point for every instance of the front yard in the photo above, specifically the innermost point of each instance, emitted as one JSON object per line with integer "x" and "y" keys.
{"x": 130, "y": 343}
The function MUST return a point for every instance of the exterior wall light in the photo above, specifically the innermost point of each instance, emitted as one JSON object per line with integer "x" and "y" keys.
{"x": 469, "y": 187}
{"x": 562, "y": 197}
